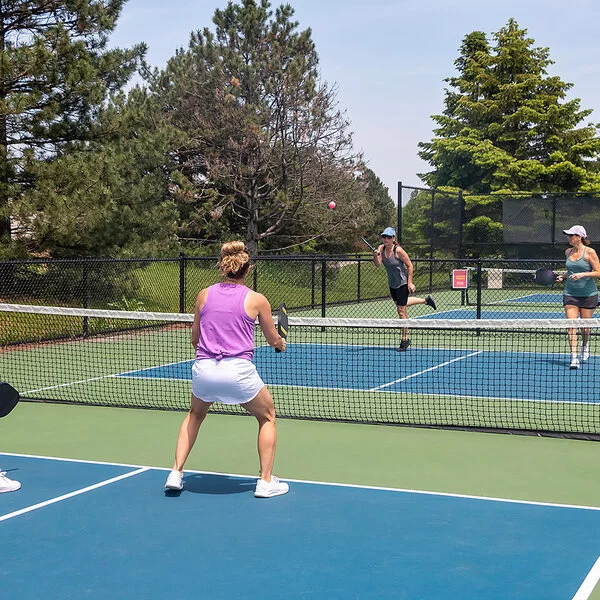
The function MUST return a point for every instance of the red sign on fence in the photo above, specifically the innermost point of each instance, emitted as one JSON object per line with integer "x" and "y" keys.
{"x": 460, "y": 279}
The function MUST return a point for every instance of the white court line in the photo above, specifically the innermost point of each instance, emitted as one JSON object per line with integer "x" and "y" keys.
{"x": 123, "y": 375}
{"x": 72, "y": 494}
{"x": 313, "y": 482}
{"x": 589, "y": 583}
{"x": 61, "y": 385}
{"x": 448, "y": 362}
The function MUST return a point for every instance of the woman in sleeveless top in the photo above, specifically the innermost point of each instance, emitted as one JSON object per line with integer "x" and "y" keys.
{"x": 399, "y": 270}
{"x": 223, "y": 336}
{"x": 581, "y": 293}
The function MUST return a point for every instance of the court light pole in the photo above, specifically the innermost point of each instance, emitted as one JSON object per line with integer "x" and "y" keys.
{"x": 399, "y": 218}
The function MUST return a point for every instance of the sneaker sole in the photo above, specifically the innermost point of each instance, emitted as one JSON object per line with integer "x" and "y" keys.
{"x": 271, "y": 494}
{"x": 172, "y": 487}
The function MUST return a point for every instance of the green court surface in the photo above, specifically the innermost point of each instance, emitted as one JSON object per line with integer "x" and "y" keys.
{"x": 455, "y": 376}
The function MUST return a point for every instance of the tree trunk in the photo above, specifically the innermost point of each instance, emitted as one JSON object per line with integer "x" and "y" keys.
{"x": 252, "y": 236}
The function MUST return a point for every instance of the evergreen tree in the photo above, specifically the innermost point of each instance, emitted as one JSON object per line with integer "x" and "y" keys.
{"x": 507, "y": 125}
{"x": 55, "y": 74}
{"x": 266, "y": 143}
{"x": 110, "y": 196}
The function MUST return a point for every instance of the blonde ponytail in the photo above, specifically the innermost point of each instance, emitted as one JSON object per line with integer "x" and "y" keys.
{"x": 235, "y": 260}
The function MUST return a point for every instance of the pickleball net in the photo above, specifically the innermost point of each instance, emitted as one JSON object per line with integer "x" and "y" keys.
{"x": 484, "y": 374}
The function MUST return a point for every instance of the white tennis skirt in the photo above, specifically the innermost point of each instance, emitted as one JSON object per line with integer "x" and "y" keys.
{"x": 229, "y": 380}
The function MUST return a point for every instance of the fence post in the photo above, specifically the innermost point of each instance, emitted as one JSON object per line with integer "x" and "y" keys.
{"x": 313, "y": 268}
{"x": 357, "y": 278}
{"x": 182, "y": 282}
{"x": 85, "y": 291}
{"x": 399, "y": 223}
{"x": 323, "y": 285}
{"x": 461, "y": 216}
{"x": 479, "y": 280}
{"x": 432, "y": 225}
{"x": 431, "y": 275}
{"x": 553, "y": 234}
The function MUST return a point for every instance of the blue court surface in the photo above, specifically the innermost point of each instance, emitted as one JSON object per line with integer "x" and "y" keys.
{"x": 471, "y": 313}
{"x": 97, "y": 531}
{"x": 444, "y": 372}
{"x": 543, "y": 297}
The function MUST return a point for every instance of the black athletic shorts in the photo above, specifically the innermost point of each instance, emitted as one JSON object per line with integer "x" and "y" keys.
{"x": 400, "y": 295}
{"x": 581, "y": 301}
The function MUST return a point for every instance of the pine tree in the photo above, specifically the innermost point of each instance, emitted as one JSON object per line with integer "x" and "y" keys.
{"x": 55, "y": 73}
{"x": 267, "y": 144}
{"x": 507, "y": 125}
{"x": 110, "y": 196}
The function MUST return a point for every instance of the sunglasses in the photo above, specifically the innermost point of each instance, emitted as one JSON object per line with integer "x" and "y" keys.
{"x": 387, "y": 237}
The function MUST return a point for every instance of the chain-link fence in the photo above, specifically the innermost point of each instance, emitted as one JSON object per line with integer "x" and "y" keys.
{"x": 329, "y": 286}
{"x": 435, "y": 223}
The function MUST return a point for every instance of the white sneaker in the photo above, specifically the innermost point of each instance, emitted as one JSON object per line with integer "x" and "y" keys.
{"x": 174, "y": 480}
{"x": 268, "y": 489}
{"x": 8, "y": 485}
{"x": 585, "y": 353}
{"x": 574, "y": 363}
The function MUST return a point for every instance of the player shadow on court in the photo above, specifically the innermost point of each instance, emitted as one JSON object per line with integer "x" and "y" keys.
{"x": 205, "y": 483}
{"x": 563, "y": 361}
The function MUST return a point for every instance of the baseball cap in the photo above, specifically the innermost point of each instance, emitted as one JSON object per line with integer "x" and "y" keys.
{"x": 576, "y": 230}
{"x": 388, "y": 231}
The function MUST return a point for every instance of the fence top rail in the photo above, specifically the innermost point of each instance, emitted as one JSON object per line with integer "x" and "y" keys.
{"x": 357, "y": 257}
{"x": 500, "y": 195}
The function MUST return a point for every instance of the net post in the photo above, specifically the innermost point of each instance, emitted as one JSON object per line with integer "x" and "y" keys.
{"x": 182, "y": 282}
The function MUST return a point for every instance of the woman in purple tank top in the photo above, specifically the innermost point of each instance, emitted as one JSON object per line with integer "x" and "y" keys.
{"x": 223, "y": 336}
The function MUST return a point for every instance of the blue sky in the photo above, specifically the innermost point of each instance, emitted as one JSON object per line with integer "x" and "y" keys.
{"x": 388, "y": 58}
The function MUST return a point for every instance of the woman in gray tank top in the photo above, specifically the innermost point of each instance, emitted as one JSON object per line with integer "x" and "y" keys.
{"x": 580, "y": 296}
{"x": 399, "y": 270}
